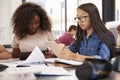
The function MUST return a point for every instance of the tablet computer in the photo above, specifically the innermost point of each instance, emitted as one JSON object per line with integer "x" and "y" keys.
{"x": 56, "y": 48}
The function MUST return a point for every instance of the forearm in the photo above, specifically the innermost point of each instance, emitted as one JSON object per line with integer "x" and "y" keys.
{"x": 67, "y": 54}
{"x": 80, "y": 58}
{"x": 5, "y": 55}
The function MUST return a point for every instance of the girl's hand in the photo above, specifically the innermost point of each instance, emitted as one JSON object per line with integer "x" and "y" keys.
{"x": 66, "y": 54}
{"x": 61, "y": 46}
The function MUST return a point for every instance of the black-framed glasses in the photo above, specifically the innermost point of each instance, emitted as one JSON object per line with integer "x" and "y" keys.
{"x": 80, "y": 19}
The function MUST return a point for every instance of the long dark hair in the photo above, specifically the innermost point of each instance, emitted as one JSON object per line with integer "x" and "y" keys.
{"x": 23, "y": 15}
{"x": 103, "y": 33}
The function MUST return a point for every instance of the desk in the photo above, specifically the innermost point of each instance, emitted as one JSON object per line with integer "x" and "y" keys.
{"x": 113, "y": 75}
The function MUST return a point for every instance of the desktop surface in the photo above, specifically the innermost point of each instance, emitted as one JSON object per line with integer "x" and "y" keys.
{"x": 70, "y": 69}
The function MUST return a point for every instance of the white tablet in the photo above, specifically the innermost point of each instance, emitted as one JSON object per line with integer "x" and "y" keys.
{"x": 56, "y": 48}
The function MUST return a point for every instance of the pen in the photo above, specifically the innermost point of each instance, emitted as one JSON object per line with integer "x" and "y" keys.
{"x": 22, "y": 66}
{"x": 46, "y": 64}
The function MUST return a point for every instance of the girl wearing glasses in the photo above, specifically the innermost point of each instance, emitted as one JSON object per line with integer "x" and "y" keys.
{"x": 93, "y": 40}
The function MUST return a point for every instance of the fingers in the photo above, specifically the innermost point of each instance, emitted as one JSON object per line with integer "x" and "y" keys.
{"x": 61, "y": 46}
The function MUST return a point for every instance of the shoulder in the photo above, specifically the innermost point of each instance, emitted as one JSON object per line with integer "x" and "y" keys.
{"x": 66, "y": 34}
{"x": 15, "y": 37}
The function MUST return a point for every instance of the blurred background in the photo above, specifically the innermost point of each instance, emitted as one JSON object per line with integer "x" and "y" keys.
{"x": 61, "y": 13}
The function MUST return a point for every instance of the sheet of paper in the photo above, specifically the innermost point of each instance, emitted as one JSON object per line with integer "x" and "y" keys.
{"x": 35, "y": 56}
{"x": 18, "y": 70}
{"x": 51, "y": 70}
{"x": 71, "y": 62}
{"x": 28, "y": 76}
{"x": 11, "y": 65}
{"x": 21, "y": 73}
{"x": 37, "y": 70}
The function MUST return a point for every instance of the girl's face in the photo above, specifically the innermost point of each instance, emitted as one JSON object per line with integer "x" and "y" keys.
{"x": 34, "y": 25}
{"x": 83, "y": 19}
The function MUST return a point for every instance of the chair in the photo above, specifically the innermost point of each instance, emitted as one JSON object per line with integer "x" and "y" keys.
{"x": 116, "y": 63}
{"x": 111, "y": 25}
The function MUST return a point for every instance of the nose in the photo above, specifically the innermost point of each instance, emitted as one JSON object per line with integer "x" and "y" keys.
{"x": 34, "y": 26}
{"x": 80, "y": 22}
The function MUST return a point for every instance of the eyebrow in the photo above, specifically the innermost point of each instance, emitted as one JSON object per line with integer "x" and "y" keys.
{"x": 83, "y": 15}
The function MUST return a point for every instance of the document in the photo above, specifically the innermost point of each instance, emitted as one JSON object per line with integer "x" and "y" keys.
{"x": 71, "y": 62}
{"x": 65, "y": 61}
{"x": 35, "y": 56}
{"x": 18, "y": 70}
{"x": 27, "y": 76}
{"x": 51, "y": 70}
{"x": 37, "y": 70}
{"x": 21, "y": 73}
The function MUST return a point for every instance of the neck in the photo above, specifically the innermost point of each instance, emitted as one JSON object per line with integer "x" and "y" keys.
{"x": 32, "y": 33}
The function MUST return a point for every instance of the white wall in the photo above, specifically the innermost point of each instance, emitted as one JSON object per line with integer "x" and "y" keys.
{"x": 7, "y": 7}
{"x": 117, "y": 9}
{"x": 98, "y": 3}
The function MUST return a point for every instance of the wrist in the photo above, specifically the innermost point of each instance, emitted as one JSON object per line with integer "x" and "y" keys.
{"x": 74, "y": 57}
{"x": 79, "y": 57}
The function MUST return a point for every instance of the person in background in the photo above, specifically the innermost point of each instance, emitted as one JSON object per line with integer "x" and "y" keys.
{"x": 93, "y": 39}
{"x": 31, "y": 28}
{"x": 118, "y": 38}
{"x": 4, "y": 54}
{"x": 68, "y": 37}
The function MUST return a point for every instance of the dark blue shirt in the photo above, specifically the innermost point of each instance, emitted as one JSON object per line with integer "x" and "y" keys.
{"x": 92, "y": 46}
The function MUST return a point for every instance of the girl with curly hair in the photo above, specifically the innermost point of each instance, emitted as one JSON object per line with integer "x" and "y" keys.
{"x": 32, "y": 27}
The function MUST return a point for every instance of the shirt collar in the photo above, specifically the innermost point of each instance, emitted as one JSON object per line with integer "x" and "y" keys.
{"x": 94, "y": 35}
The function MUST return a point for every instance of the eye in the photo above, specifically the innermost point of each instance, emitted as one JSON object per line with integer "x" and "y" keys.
{"x": 81, "y": 19}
